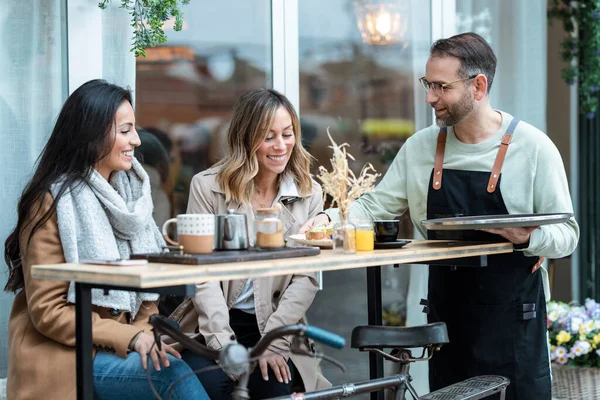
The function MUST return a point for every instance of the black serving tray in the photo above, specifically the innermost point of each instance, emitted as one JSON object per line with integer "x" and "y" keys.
{"x": 228, "y": 256}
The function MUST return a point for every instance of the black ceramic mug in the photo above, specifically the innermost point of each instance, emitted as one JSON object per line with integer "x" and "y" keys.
{"x": 386, "y": 230}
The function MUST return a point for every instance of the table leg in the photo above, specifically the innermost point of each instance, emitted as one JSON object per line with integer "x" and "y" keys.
{"x": 83, "y": 343}
{"x": 375, "y": 313}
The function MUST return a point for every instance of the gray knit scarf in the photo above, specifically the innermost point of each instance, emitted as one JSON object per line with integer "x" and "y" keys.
{"x": 107, "y": 221}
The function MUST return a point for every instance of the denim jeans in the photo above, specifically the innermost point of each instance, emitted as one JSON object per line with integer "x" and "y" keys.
{"x": 125, "y": 379}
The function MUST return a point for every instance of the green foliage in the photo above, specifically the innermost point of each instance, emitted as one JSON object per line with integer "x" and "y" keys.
{"x": 147, "y": 19}
{"x": 581, "y": 49}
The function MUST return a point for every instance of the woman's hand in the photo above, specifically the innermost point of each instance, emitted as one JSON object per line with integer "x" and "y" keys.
{"x": 321, "y": 219}
{"x": 277, "y": 363}
{"x": 145, "y": 345}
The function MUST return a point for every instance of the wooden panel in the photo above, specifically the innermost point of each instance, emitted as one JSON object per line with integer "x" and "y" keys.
{"x": 157, "y": 274}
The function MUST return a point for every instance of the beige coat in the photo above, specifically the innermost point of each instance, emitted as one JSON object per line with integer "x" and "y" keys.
{"x": 41, "y": 328}
{"x": 278, "y": 300}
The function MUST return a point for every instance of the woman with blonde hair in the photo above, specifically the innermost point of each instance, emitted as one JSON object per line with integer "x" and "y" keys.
{"x": 266, "y": 165}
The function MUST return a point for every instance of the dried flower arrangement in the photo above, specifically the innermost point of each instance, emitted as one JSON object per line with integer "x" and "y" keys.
{"x": 341, "y": 183}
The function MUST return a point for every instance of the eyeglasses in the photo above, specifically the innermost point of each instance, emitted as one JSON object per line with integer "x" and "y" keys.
{"x": 438, "y": 88}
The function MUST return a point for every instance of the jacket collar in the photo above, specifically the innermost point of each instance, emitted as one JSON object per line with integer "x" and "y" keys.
{"x": 287, "y": 189}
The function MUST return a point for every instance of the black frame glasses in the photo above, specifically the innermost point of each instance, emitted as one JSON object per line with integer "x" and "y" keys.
{"x": 438, "y": 88}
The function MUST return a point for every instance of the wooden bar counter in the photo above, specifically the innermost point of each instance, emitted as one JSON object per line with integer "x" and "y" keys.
{"x": 181, "y": 279}
{"x": 155, "y": 275}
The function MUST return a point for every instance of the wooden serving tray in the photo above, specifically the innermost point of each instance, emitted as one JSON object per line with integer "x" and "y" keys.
{"x": 227, "y": 256}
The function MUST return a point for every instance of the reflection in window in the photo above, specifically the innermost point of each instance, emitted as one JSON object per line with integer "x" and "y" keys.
{"x": 185, "y": 91}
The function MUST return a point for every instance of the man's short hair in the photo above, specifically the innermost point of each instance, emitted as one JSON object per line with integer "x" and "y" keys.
{"x": 475, "y": 55}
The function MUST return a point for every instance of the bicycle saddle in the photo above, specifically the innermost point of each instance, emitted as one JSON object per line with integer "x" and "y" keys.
{"x": 388, "y": 337}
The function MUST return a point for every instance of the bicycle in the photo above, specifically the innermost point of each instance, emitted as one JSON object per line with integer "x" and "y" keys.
{"x": 237, "y": 360}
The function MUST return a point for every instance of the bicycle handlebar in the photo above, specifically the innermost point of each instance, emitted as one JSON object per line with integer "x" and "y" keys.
{"x": 170, "y": 327}
{"x": 321, "y": 335}
{"x": 326, "y": 337}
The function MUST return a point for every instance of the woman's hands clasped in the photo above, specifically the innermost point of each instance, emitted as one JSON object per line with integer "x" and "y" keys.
{"x": 144, "y": 345}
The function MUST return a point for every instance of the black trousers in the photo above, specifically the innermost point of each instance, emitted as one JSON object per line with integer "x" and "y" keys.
{"x": 218, "y": 385}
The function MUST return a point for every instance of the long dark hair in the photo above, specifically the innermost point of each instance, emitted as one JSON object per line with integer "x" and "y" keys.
{"x": 81, "y": 137}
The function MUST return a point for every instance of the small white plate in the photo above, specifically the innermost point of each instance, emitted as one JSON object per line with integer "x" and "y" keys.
{"x": 301, "y": 238}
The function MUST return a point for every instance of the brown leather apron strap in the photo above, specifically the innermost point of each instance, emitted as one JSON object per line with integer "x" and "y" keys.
{"x": 497, "y": 168}
{"x": 439, "y": 160}
{"x": 498, "y": 163}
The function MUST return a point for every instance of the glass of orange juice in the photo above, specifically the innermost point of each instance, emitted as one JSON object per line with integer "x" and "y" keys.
{"x": 365, "y": 235}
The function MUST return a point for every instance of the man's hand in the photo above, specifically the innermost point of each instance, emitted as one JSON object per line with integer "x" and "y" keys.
{"x": 145, "y": 345}
{"x": 515, "y": 235}
{"x": 319, "y": 220}
{"x": 277, "y": 363}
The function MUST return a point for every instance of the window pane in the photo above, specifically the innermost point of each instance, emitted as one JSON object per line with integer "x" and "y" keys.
{"x": 368, "y": 96}
{"x": 185, "y": 90}
{"x": 31, "y": 36}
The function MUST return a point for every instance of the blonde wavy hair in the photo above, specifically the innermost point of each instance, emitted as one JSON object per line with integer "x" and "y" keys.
{"x": 253, "y": 114}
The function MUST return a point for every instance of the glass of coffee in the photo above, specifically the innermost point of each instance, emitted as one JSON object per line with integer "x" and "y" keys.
{"x": 268, "y": 228}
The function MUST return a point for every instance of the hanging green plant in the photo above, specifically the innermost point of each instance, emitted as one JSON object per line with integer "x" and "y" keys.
{"x": 581, "y": 49}
{"x": 147, "y": 19}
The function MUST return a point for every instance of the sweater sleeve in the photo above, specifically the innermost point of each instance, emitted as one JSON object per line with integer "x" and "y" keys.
{"x": 551, "y": 195}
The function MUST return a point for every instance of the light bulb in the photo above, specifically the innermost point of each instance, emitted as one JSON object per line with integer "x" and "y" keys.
{"x": 383, "y": 24}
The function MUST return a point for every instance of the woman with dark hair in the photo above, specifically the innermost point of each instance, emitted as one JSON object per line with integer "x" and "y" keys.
{"x": 88, "y": 199}
{"x": 266, "y": 166}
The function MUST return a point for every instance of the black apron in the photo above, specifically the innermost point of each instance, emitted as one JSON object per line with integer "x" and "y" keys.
{"x": 496, "y": 315}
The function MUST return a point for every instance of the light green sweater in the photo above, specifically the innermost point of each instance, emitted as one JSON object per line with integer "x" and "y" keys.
{"x": 533, "y": 180}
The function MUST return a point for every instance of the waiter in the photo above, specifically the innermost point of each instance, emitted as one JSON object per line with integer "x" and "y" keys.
{"x": 480, "y": 161}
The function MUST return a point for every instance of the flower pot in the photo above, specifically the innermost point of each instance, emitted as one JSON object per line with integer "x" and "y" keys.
{"x": 575, "y": 382}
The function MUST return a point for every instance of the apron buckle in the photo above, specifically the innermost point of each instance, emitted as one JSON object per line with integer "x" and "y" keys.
{"x": 529, "y": 312}
{"x": 425, "y": 304}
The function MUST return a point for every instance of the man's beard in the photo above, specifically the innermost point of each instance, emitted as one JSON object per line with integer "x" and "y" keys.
{"x": 456, "y": 112}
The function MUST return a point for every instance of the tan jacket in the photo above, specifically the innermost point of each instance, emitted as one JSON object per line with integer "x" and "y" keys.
{"x": 278, "y": 300}
{"x": 41, "y": 328}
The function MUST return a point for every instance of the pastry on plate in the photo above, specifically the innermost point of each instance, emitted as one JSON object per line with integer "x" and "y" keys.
{"x": 323, "y": 232}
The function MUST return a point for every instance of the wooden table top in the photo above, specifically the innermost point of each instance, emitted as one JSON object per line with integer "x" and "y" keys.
{"x": 155, "y": 275}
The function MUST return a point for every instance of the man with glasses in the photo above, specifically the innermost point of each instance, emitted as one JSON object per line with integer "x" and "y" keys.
{"x": 480, "y": 161}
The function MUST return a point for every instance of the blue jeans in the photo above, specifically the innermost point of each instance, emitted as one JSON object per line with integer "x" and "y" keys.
{"x": 125, "y": 379}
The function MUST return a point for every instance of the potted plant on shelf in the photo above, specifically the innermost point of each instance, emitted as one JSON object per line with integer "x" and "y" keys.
{"x": 574, "y": 336}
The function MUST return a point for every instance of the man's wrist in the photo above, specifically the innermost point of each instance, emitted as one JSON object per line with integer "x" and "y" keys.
{"x": 522, "y": 246}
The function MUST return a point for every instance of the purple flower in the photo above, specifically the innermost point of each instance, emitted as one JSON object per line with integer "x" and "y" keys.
{"x": 593, "y": 89}
{"x": 596, "y": 14}
{"x": 591, "y": 115}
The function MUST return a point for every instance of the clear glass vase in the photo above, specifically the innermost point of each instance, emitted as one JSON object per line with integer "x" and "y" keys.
{"x": 344, "y": 238}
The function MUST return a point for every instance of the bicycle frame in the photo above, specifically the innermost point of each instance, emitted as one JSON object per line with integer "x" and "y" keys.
{"x": 470, "y": 389}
